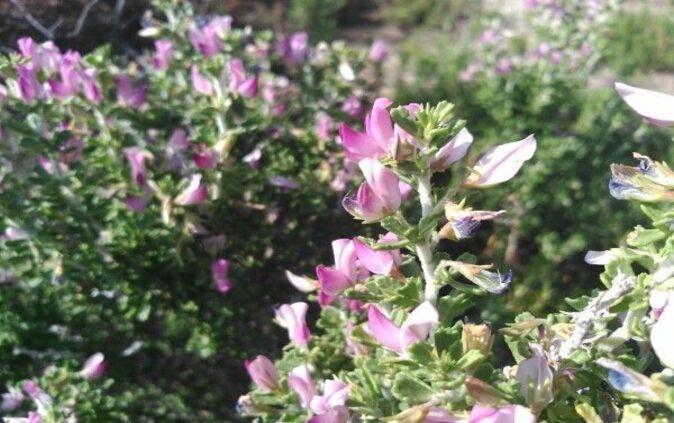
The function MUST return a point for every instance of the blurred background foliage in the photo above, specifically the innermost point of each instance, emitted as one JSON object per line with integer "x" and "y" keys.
{"x": 559, "y": 206}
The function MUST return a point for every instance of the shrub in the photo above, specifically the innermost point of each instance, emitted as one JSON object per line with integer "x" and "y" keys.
{"x": 148, "y": 206}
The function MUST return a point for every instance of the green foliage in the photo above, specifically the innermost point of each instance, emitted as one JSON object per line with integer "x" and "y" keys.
{"x": 319, "y": 17}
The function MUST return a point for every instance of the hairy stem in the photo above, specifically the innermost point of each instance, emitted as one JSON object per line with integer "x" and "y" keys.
{"x": 423, "y": 248}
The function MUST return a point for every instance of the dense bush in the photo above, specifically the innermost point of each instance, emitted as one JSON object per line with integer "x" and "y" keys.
{"x": 543, "y": 74}
{"x": 393, "y": 342}
{"x": 150, "y": 207}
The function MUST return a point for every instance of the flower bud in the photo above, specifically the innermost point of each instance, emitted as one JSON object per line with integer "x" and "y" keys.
{"x": 94, "y": 367}
{"x": 262, "y": 371}
{"x": 536, "y": 378}
{"x": 476, "y": 337}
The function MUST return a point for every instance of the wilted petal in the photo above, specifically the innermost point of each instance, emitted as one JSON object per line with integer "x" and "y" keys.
{"x": 383, "y": 329}
{"x": 302, "y": 283}
{"x": 94, "y": 367}
{"x": 494, "y": 282}
{"x": 536, "y": 378}
{"x": 194, "y": 194}
{"x": 599, "y": 258}
{"x": 418, "y": 324}
{"x": 629, "y": 381}
{"x": 656, "y": 107}
{"x": 661, "y": 336}
{"x": 501, "y": 163}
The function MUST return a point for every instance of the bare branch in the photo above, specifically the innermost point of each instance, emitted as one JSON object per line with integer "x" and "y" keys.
{"x": 31, "y": 20}
{"x": 82, "y": 18}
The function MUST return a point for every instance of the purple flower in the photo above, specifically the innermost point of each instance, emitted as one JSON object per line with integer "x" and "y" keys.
{"x": 136, "y": 158}
{"x": 220, "y": 275}
{"x": 294, "y": 48}
{"x": 29, "y": 87}
{"x": 130, "y": 94}
{"x": 163, "y": 54}
{"x": 206, "y": 40}
{"x": 283, "y": 182}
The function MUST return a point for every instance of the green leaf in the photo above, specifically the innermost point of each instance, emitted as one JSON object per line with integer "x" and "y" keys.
{"x": 408, "y": 387}
{"x": 422, "y": 353}
{"x": 452, "y": 306}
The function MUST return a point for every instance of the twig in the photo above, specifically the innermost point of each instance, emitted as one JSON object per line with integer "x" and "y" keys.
{"x": 31, "y": 20}
{"x": 595, "y": 310}
{"x": 82, "y": 18}
{"x": 119, "y": 6}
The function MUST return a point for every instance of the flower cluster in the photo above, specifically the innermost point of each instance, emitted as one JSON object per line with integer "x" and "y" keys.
{"x": 386, "y": 316}
{"x": 393, "y": 346}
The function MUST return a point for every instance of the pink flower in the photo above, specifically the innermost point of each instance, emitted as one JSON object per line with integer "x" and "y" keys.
{"x": 654, "y": 106}
{"x": 136, "y": 203}
{"x": 453, "y": 151}
{"x": 194, "y": 194}
{"x": 335, "y": 394}
{"x": 238, "y": 83}
{"x": 301, "y": 283}
{"x": 323, "y": 126}
{"x": 91, "y": 89}
{"x": 378, "y": 139}
{"x": 163, "y": 54}
{"x": 204, "y": 157}
{"x": 294, "y": 48}
{"x": 200, "y": 82}
{"x": 137, "y": 158}
{"x": 292, "y": 317}
{"x": 379, "y": 51}
{"x": 334, "y": 280}
{"x": 94, "y": 367}
{"x": 300, "y": 381}
{"x": 130, "y": 94}
{"x": 262, "y": 371}
{"x": 378, "y": 196}
{"x": 501, "y": 163}
{"x": 414, "y": 329}
{"x": 507, "y": 414}
{"x": 220, "y": 275}
{"x": 352, "y": 106}
{"x": 206, "y": 40}
{"x": 29, "y": 87}
{"x": 69, "y": 83}
{"x": 377, "y": 262}
{"x": 253, "y": 159}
